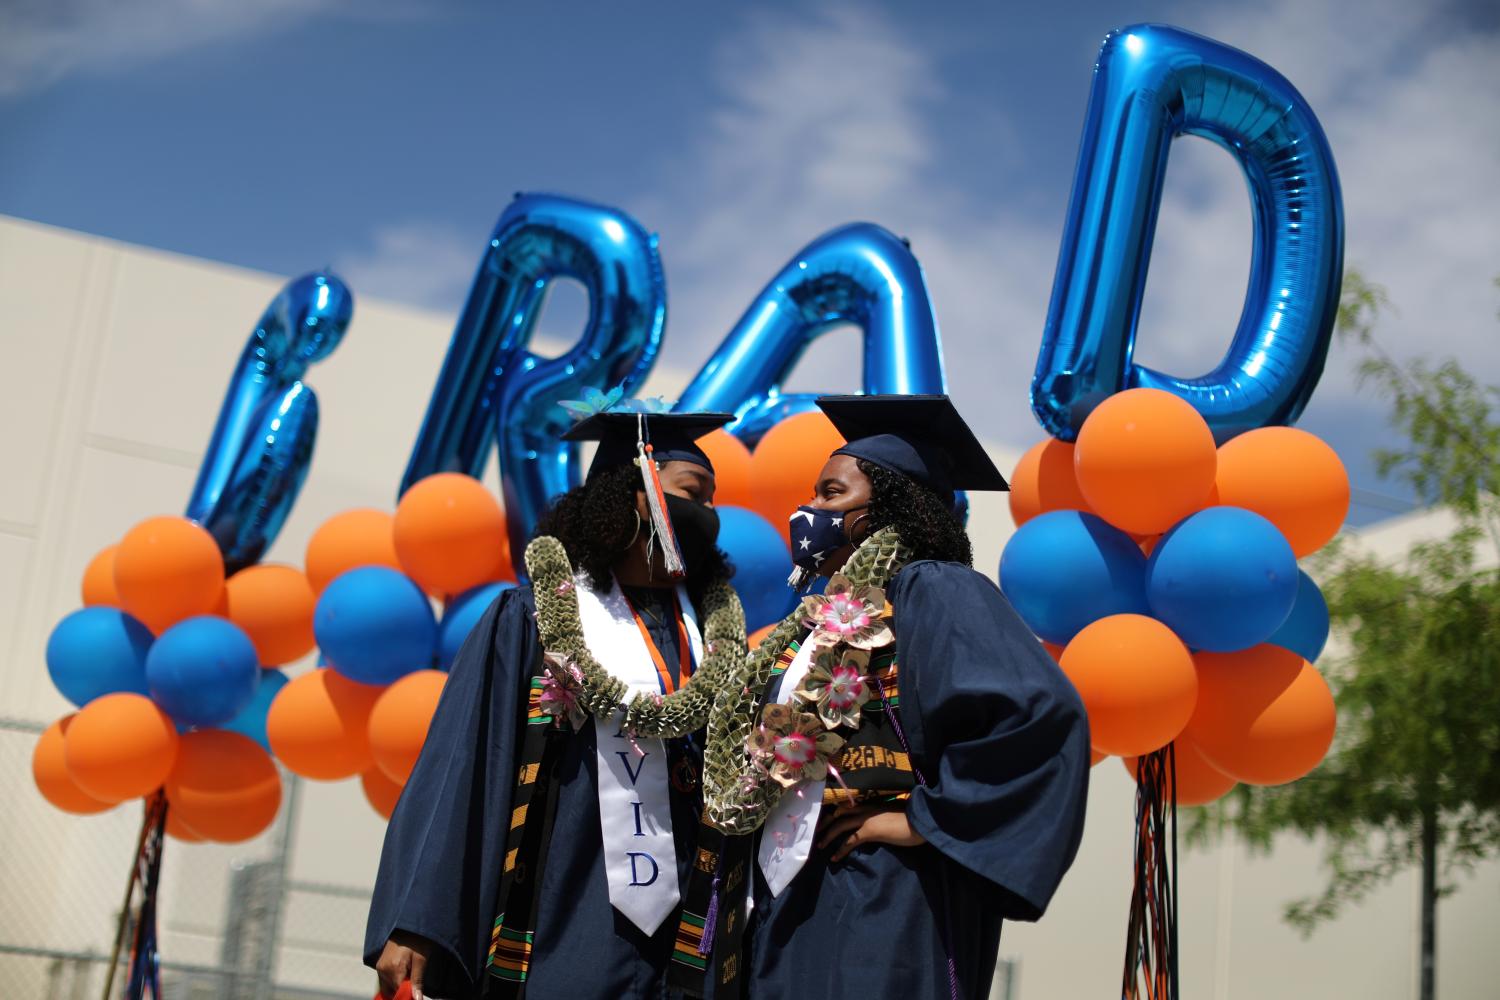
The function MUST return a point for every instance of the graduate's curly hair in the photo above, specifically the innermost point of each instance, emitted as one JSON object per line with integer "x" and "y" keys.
{"x": 596, "y": 522}
{"x": 923, "y": 520}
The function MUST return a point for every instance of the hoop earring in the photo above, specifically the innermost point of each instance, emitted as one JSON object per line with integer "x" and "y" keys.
{"x": 637, "y": 533}
{"x": 852, "y": 539}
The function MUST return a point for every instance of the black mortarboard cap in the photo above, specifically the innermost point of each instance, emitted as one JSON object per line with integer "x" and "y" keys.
{"x": 672, "y": 436}
{"x": 921, "y": 437}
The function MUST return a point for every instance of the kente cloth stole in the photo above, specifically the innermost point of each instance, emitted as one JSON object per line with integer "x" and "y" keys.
{"x": 534, "y": 807}
{"x": 710, "y": 933}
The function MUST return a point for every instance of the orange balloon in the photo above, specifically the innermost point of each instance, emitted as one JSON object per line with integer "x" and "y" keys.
{"x": 1265, "y": 716}
{"x": 319, "y": 725}
{"x": 786, "y": 464}
{"x": 381, "y": 792}
{"x": 1136, "y": 680}
{"x": 1145, "y": 460}
{"x": 759, "y": 635}
{"x": 354, "y": 538}
{"x": 450, "y": 534}
{"x": 1095, "y": 756}
{"x": 274, "y": 605}
{"x": 732, "y": 476}
{"x": 99, "y": 580}
{"x": 1044, "y": 480}
{"x": 120, "y": 746}
{"x": 1291, "y": 478}
{"x": 400, "y": 719}
{"x": 179, "y": 830}
{"x": 224, "y": 787}
{"x": 1198, "y": 781}
{"x": 168, "y": 569}
{"x": 49, "y": 769}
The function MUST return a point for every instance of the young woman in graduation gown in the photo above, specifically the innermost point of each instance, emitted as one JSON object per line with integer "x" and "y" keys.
{"x": 910, "y": 762}
{"x": 541, "y": 844}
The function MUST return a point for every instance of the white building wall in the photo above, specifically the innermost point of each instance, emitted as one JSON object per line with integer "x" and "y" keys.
{"x": 113, "y": 363}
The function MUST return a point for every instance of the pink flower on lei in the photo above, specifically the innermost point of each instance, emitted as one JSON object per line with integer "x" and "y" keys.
{"x": 842, "y": 614}
{"x": 837, "y": 686}
{"x": 793, "y": 746}
{"x": 562, "y": 685}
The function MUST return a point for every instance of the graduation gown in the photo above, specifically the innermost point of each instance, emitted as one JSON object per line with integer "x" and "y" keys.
{"x": 440, "y": 869}
{"x": 1001, "y": 737}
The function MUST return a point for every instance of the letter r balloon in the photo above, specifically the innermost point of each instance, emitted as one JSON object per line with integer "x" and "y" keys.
{"x": 1153, "y": 83}
{"x": 492, "y": 389}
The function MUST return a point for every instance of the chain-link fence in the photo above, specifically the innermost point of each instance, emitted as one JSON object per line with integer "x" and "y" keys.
{"x": 232, "y": 924}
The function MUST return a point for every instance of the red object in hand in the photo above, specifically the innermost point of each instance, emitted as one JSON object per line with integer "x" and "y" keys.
{"x": 404, "y": 993}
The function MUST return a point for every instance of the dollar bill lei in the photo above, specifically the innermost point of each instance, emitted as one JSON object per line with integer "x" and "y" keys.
{"x": 739, "y": 793}
{"x": 653, "y": 716}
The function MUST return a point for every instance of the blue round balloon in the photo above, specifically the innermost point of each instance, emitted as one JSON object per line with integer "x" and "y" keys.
{"x": 375, "y": 625}
{"x": 251, "y": 721}
{"x": 1223, "y": 579}
{"x": 203, "y": 671}
{"x": 762, "y": 564}
{"x": 1066, "y": 569}
{"x": 96, "y": 651}
{"x": 1305, "y": 631}
{"x": 460, "y": 617}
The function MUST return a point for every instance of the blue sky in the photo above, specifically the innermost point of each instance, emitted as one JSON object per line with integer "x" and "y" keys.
{"x": 384, "y": 138}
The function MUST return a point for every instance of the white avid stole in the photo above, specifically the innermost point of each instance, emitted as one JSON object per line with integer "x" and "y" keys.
{"x": 786, "y": 840}
{"x": 635, "y": 807}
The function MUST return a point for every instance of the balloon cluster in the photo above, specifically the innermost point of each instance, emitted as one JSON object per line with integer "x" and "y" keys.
{"x": 365, "y": 709}
{"x": 1161, "y": 572}
{"x": 174, "y": 668}
{"x": 169, "y": 663}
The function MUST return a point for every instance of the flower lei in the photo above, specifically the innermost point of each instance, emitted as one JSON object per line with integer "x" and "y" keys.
{"x": 580, "y": 683}
{"x": 748, "y": 761}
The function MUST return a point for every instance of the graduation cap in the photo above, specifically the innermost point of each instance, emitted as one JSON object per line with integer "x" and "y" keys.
{"x": 920, "y": 437}
{"x": 648, "y": 440}
{"x": 672, "y": 436}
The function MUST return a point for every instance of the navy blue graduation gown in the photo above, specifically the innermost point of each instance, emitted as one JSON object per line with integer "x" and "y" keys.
{"x": 1001, "y": 737}
{"x": 440, "y": 868}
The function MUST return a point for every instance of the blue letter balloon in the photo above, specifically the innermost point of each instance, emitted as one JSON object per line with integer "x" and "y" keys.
{"x": 375, "y": 625}
{"x": 1224, "y": 579}
{"x": 1305, "y": 631}
{"x": 460, "y": 617}
{"x": 1067, "y": 569}
{"x": 97, "y": 651}
{"x": 1153, "y": 83}
{"x": 761, "y": 565}
{"x": 203, "y": 671}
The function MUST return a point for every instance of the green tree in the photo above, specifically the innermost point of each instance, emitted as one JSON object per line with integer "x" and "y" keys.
{"x": 1413, "y": 778}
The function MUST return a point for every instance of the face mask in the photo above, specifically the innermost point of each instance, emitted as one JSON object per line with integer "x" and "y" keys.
{"x": 816, "y": 535}
{"x": 696, "y": 526}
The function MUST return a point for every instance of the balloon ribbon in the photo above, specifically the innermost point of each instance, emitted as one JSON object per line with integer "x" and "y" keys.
{"x": 144, "y": 965}
{"x": 1151, "y": 933}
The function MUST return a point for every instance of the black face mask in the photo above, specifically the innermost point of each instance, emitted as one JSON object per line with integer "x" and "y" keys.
{"x": 696, "y": 526}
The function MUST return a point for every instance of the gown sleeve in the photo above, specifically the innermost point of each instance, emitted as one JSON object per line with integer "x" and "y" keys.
{"x": 998, "y": 731}
{"x": 439, "y": 874}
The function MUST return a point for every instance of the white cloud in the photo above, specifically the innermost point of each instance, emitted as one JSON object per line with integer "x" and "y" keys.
{"x": 414, "y": 262}
{"x": 42, "y": 41}
{"x": 832, "y": 117}
{"x": 827, "y": 120}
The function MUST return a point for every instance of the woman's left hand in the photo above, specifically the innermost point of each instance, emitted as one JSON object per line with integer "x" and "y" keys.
{"x": 869, "y": 824}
